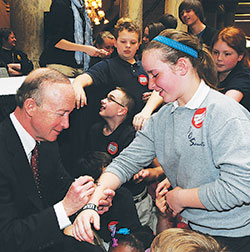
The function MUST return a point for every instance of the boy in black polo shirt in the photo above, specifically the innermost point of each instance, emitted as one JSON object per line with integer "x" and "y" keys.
{"x": 123, "y": 71}
{"x": 114, "y": 134}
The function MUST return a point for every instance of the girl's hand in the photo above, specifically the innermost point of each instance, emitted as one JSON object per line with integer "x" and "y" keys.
{"x": 173, "y": 201}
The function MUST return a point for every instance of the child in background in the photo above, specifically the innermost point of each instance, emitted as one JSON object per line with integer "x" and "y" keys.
{"x": 169, "y": 21}
{"x": 123, "y": 71}
{"x": 126, "y": 241}
{"x": 191, "y": 13}
{"x": 105, "y": 40}
{"x": 231, "y": 57}
{"x": 114, "y": 134}
{"x": 123, "y": 211}
{"x": 151, "y": 30}
{"x": 181, "y": 240}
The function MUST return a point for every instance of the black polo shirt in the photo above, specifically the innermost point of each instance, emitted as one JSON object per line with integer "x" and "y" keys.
{"x": 110, "y": 73}
{"x": 238, "y": 79}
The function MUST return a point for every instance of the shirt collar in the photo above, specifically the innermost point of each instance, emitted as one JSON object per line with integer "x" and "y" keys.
{"x": 27, "y": 140}
{"x": 136, "y": 64}
{"x": 197, "y": 98}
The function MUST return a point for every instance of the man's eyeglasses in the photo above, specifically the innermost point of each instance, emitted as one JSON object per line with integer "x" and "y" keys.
{"x": 109, "y": 98}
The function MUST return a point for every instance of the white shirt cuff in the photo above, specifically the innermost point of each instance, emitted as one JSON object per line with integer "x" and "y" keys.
{"x": 62, "y": 218}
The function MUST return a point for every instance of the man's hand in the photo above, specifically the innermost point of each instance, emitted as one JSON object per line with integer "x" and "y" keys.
{"x": 78, "y": 194}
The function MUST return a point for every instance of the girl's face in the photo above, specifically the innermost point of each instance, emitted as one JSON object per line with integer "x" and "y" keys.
{"x": 189, "y": 17}
{"x": 226, "y": 58}
{"x": 127, "y": 44}
{"x": 162, "y": 76}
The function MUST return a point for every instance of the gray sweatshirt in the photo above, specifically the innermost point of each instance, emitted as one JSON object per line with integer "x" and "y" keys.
{"x": 205, "y": 144}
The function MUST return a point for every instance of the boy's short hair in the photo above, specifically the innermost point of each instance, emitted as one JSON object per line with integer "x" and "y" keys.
{"x": 194, "y": 5}
{"x": 169, "y": 21}
{"x": 128, "y": 100}
{"x": 128, "y": 25}
{"x": 154, "y": 29}
{"x": 92, "y": 163}
{"x": 123, "y": 20}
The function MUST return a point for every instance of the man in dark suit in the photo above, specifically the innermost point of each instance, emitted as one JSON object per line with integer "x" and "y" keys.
{"x": 33, "y": 215}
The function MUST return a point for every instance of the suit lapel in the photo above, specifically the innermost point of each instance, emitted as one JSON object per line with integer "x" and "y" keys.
{"x": 21, "y": 165}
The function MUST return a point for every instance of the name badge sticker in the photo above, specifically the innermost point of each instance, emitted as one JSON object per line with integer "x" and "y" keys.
{"x": 199, "y": 117}
{"x": 112, "y": 148}
{"x": 143, "y": 80}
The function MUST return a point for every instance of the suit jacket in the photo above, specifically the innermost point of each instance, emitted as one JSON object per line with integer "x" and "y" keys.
{"x": 28, "y": 223}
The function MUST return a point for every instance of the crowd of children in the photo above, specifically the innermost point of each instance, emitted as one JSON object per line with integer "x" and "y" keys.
{"x": 195, "y": 147}
{"x": 192, "y": 137}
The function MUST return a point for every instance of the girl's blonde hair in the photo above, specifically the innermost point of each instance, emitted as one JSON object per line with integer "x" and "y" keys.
{"x": 184, "y": 240}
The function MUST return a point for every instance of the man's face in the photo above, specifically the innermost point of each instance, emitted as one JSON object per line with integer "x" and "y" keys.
{"x": 52, "y": 116}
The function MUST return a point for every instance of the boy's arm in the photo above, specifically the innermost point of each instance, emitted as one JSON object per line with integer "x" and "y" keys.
{"x": 79, "y": 83}
{"x": 82, "y": 225}
{"x": 153, "y": 102}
